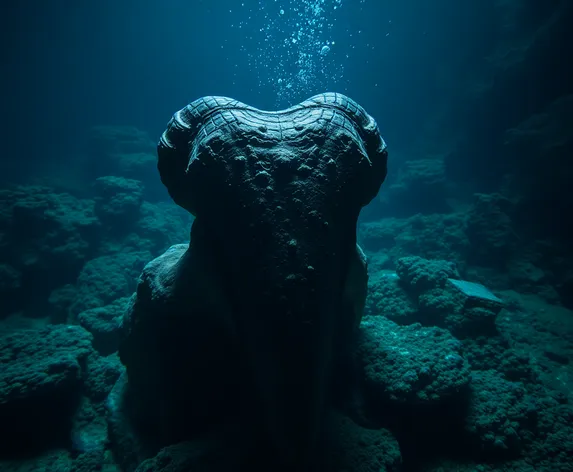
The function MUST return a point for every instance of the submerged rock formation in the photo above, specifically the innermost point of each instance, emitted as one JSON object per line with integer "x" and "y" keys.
{"x": 245, "y": 325}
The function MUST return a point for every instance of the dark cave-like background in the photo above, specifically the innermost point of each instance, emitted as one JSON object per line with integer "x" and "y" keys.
{"x": 476, "y": 104}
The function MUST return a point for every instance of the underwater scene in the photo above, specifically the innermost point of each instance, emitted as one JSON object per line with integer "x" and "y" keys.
{"x": 286, "y": 236}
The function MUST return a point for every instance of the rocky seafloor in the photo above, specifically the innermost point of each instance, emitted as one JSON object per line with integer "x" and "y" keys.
{"x": 486, "y": 388}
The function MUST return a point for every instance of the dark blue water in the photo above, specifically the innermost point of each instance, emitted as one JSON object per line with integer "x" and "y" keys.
{"x": 69, "y": 67}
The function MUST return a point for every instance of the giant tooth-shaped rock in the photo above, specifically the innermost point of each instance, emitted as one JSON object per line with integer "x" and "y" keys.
{"x": 276, "y": 197}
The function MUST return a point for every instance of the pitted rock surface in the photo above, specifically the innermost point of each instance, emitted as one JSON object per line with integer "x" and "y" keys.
{"x": 314, "y": 139}
{"x": 276, "y": 196}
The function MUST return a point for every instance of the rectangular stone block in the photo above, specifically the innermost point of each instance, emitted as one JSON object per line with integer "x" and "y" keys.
{"x": 476, "y": 295}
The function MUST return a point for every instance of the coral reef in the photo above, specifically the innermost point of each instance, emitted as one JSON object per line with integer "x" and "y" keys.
{"x": 40, "y": 380}
{"x": 411, "y": 364}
